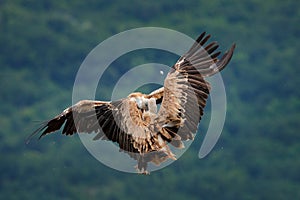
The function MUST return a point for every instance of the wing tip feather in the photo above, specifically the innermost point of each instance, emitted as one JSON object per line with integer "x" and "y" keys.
{"x": 42, "y": 126}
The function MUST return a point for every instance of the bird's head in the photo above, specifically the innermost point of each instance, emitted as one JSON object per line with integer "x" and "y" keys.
{"x": 140, "y": 100}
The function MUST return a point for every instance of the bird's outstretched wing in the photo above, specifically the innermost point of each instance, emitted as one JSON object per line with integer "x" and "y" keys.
{"x": 186, "y": 91}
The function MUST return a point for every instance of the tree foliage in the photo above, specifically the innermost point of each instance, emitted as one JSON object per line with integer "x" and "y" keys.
{"x": 42, "y": 44}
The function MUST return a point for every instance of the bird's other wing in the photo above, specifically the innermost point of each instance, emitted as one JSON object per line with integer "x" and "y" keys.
{"x": 157, "y": 94}
{"x": 185, "y": 90}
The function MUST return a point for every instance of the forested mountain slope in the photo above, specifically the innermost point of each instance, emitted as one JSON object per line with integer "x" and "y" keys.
{"x": 42, "y": 45}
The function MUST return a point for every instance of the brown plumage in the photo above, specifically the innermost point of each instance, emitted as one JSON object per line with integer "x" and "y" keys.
{"x": 134, "y": 122}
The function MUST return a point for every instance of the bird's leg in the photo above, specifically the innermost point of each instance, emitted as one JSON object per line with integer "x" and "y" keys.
{"x": 141, "y": 166}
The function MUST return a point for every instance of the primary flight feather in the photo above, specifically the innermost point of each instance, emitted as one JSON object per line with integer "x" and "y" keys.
{"x": 136, "y": 124}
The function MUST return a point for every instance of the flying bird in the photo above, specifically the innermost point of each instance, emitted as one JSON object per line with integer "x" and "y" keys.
{"x": 136, "y": 124}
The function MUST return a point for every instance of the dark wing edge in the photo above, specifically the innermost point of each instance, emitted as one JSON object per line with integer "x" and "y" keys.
{"x": 204, "y": 58}
{"x": 80, "y": 116}
{"x": 52, "y": 125}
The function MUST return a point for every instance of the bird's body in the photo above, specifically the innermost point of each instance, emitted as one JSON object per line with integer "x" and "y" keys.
{"x": 135, "y": 122}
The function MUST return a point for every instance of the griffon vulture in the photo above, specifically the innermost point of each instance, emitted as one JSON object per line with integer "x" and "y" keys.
{"x": 134, "y": 122}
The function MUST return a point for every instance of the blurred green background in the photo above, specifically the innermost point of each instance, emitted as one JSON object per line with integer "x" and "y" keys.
{"x": 42, "y": 44}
